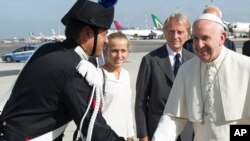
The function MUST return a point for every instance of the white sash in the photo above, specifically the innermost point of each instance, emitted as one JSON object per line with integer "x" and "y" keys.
{"x": 50, "y": 136}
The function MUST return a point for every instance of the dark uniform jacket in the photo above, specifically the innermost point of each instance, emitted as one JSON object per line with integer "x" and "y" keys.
{"x": 48, "y": 93}
{"x": 154, "y": 82}
{"x": 246, "y": 48}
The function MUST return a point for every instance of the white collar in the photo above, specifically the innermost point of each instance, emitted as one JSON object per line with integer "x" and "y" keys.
{"x": 172, "y": 53}
{"x": 81, "y": 53}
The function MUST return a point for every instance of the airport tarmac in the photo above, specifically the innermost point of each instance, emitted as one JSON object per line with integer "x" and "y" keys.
{"x": 9, "y": 73}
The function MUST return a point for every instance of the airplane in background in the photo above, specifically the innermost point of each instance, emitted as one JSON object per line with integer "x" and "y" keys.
{"x": 40, "y": 38}
{"x": 57, "y": 37}
{"x": 118, "y": 25}
{"x": 33, "y": 37}
{"x": 238, "y": 29}
{"x": 134, "y": 33}
{"x": 158, "y": 24}
{"x": 158, "y": 27}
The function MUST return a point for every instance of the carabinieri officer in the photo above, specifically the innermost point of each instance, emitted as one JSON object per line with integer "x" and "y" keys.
{"x": 58, "y": 84}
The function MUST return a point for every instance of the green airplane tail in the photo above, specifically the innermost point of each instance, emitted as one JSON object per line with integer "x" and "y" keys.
{"x": 157, "y": 23}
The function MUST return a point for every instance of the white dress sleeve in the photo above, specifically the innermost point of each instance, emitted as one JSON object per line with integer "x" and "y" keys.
{"x": 169, "y": 128}
{"x": 131, "y": 130}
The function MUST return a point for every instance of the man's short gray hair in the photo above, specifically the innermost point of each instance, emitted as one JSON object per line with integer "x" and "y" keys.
{"x": 180, "y": 18}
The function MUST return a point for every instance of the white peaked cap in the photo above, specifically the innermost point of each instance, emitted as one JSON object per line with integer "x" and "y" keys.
{"x": 211, "y": 17}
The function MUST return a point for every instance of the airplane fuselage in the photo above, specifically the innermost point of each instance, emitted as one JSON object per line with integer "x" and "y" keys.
{"x": 239, "y": 27}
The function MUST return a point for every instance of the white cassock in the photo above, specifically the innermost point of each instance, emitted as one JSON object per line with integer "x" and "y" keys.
{"x": 211, "y": 95}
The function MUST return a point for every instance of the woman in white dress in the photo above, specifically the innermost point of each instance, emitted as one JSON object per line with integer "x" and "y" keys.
{"x": 117, "y": 91}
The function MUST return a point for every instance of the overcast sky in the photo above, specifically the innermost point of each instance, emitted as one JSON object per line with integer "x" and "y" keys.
{"x": 19, "y": 17}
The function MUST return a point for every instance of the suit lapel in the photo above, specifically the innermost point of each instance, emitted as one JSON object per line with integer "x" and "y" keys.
{"x": 186, "y": 55}
{"x": 163, "y": 60}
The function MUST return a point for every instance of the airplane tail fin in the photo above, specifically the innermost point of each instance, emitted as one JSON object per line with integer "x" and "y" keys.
{"x": 225, "y": 22}
{"x": 53, "y": 32}
{"x": 158, "y": 24}
{"x": 118, "y": 25}
{"x": 227, "y": 25}
{"x": 31, "y": 34}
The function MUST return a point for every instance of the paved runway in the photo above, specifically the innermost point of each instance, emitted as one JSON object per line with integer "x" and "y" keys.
{"x": 9, "y": 72}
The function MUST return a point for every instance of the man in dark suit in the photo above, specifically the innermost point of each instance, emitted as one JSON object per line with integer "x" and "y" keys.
{"x": 188, "y": 45}
{"x": 229, "y": 44}
{"x": 246, "y": 46}
{"x": 156, "y": 76}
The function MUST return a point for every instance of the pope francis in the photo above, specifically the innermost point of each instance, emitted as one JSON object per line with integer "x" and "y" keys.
{"x": 211, "y": 90}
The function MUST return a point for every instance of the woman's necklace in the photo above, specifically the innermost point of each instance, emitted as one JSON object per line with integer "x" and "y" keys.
{"x": 204, "y": 99}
